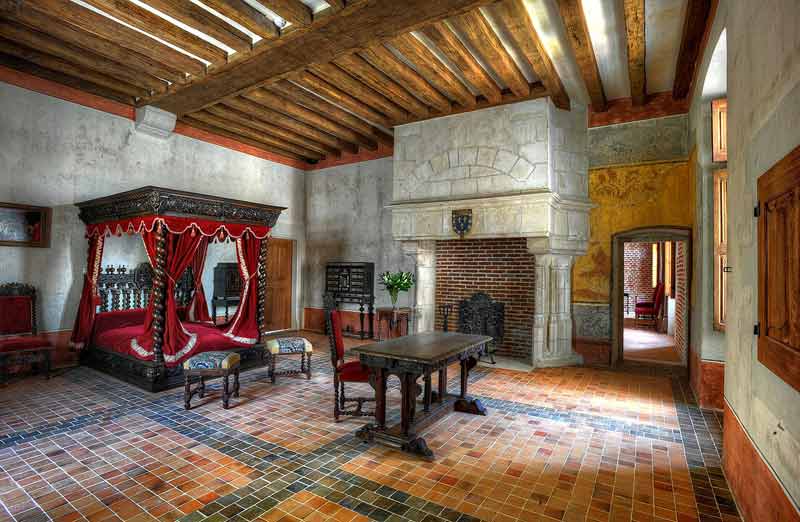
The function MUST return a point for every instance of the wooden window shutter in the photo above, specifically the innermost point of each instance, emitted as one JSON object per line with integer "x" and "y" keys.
{"x": 719, "y": 130}
{"x": 720, "y": 248}
{"x": 779, "y": 269}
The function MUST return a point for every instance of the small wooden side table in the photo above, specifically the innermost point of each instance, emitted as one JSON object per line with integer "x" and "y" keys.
{"x": 394, "y": 318}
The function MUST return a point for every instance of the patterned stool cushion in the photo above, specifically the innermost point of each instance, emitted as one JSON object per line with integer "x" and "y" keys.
{"x": 212, "y": 361}
{"x": 289, "y": 345}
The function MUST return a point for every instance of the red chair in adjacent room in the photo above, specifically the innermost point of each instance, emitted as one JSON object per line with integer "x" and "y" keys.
{"x": 343, "y": 372}
{"x": 19, "y": 342}
{"x": 650, "y": 310}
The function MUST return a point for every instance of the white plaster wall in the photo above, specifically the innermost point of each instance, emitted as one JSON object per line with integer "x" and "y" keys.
{"x": 55, "y": 153}
{"x": 763, "y": 111}
{"x": 492, "y": 151}
{"x": 346, "y": 221}
{"x": 706, "y": 341}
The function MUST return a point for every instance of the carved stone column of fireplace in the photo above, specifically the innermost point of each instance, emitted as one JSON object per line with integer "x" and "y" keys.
{"x": 521, "y": 171}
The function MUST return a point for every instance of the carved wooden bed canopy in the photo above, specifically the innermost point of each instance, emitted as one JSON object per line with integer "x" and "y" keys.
{"x": 176, "y": 228}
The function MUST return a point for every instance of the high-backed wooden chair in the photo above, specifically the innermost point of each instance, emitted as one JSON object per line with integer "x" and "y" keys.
{"x": 344, "y": 372}
{"x": 19, "y": 342}
{"x": 650, "y": 310}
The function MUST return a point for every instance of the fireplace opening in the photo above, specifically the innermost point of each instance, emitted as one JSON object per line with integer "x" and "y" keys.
{"x": 501, "y": 268}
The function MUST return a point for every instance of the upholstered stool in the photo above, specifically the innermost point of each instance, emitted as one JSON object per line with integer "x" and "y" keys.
{"x": 287, "y": 346}
{"x": 211, "y": 364}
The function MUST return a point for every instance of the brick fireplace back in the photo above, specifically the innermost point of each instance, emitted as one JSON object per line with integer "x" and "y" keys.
{"x": 503, "y": 269}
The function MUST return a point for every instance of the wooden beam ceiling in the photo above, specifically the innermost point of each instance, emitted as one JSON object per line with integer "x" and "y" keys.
{"x": 517, "y": 22}
{"x": 578, "y": 36}
{"x": 698, "y": 17}
{"x": 634, "y": 31}
{"x": 293, "y": 11}
{"x": 247, "y": 16}
{"x": 347, "y": 31}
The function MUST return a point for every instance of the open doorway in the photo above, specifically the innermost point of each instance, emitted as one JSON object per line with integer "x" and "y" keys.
{"x": 650, "y": 296}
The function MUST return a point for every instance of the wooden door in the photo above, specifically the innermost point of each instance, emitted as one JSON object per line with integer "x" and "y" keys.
{"x": 278, "y": 313}
{"x": 779, "y": 269}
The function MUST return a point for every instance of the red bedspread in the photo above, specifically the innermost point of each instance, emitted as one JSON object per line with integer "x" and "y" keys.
{"x": 113, "y": 331}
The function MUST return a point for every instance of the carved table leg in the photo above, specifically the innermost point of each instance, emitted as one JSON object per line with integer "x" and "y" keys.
{"x": 272, "y": 358}
{"x": 201, "y": 389}
{"x": 236, "y": 382}
{"x": 428, "y": 392}
{"x": 464, "y": 404}
{"x": 308, "y": 366}
{"x": 380, "y": 398}
{"x": 47, "y": 364}
{"x": 405, "y": 407}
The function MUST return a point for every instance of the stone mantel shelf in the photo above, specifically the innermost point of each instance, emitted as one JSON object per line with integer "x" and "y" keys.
{"x": 552, "y": 223}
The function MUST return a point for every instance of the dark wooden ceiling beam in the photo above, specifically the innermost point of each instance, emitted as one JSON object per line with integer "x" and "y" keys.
{"x": 293, "y": 11}
{"x": 153, "y": 24}
{"x": 68, "y": 12}
{"x": 313, "y": 102}
{"x": 247, "y": 16}
{"x": 698, "y": 17}
{"x": 359, "y": 68}
{"x": 332, "y": 93}
{"x": 228, "y": 111}
{"x": 360, "y": 91}
{"x": 392, "y": 66}
{"x": 198, "y": 18}
{"x": 226, "y": 133}
{"x": 537, "y": 90}
{"x": 348, "y": 139}
{"x": 517, "y": 22}
{"x": 447, "y": 42}
{"x": 54, "y": 63}
{"x": 634, "y": 31}
{"x": 581, "y": 43}
{"x": 252, "y": 134}
{"x": 336, "y": 5}
{"x": 483, "y": 38}
{"x": 47, "y": 44}
{"x": 429, "y": 66}
{"x": 258, "y": 102}
{"x": 348, "y": 31}
{"x": 69, "y": 34}
{"x": 18, "y": 64}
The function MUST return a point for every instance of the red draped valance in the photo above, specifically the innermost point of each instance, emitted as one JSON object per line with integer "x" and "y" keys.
{"x": 176, "y": 225}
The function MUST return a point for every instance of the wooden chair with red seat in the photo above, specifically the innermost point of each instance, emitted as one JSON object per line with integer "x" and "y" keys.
{"x": 343, "y": 372}
{"x": 650, "y": 310}
{"x": 19, "y": 342}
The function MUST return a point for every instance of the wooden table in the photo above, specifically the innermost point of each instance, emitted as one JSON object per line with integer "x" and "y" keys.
{"x": 394, "y": 318}
{"x": 410, "y": 358}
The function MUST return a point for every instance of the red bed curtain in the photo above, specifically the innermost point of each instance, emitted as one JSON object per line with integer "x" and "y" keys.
{"x": 244, "y": 325}
{"x": 198, "y": 307}
{"x": 88, "y": 303}
{"x": 180, "y": 251}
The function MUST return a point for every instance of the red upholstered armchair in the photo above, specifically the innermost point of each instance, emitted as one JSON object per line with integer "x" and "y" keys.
{"x": 343, "y": 372}
{"x": 650, "y": 310}
{"x": 19, "y": 342}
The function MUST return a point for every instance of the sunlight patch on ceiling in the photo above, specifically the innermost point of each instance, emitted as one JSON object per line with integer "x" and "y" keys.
{"x": 663, "y": 32}
{"x": 606, "y": 22}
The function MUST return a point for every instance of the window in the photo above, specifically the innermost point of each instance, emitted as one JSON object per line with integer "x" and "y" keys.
{"x": 655, "y": 263}
{"x": 719, "y": 130}
{"x": 720, "y": 247}
{"x": 779, "y": 269}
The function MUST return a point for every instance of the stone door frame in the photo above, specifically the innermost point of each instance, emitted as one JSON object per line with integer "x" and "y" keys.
{"x": 643, "y": 234}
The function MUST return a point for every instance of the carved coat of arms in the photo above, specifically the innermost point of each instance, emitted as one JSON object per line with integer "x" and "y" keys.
{"x": 462, "y": 222}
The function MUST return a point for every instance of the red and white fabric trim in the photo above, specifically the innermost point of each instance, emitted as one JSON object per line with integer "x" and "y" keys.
{"x": 176, "y": 225}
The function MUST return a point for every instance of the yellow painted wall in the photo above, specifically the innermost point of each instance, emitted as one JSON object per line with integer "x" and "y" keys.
{"x": 629, "y": 197}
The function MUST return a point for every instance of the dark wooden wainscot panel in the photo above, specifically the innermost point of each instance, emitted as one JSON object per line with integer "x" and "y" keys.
{"x": 779, "y": 269}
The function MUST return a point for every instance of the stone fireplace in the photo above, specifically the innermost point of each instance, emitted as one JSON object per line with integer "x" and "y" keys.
{"x": 521, "y": 169}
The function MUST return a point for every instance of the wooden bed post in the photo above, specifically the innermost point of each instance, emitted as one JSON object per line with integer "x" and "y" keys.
{"x": 262, "y": 287}
{"x": 159, "y": 295}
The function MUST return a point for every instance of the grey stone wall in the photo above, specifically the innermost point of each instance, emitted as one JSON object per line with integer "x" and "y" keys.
{"x": 764, "y": 108}
{"x": 346, "y": 221}
{"x": 55, "y": 153}
{"x": 491, "y": 151}
{"x": 658, "y": 139}
{"x": 592, "y": 320}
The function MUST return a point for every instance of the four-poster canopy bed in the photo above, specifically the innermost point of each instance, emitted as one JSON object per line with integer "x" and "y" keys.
{"x": 146, "y": 346}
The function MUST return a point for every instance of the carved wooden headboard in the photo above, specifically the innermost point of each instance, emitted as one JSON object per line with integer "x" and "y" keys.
{"x": 122, "y": 288}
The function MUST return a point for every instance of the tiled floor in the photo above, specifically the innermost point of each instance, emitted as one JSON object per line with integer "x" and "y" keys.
{"x": 647, "y": 345}
{"x": 568, "y": 444}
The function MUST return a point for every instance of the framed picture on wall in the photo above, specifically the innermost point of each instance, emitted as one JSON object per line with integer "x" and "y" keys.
{"x": 24, "y": 225}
